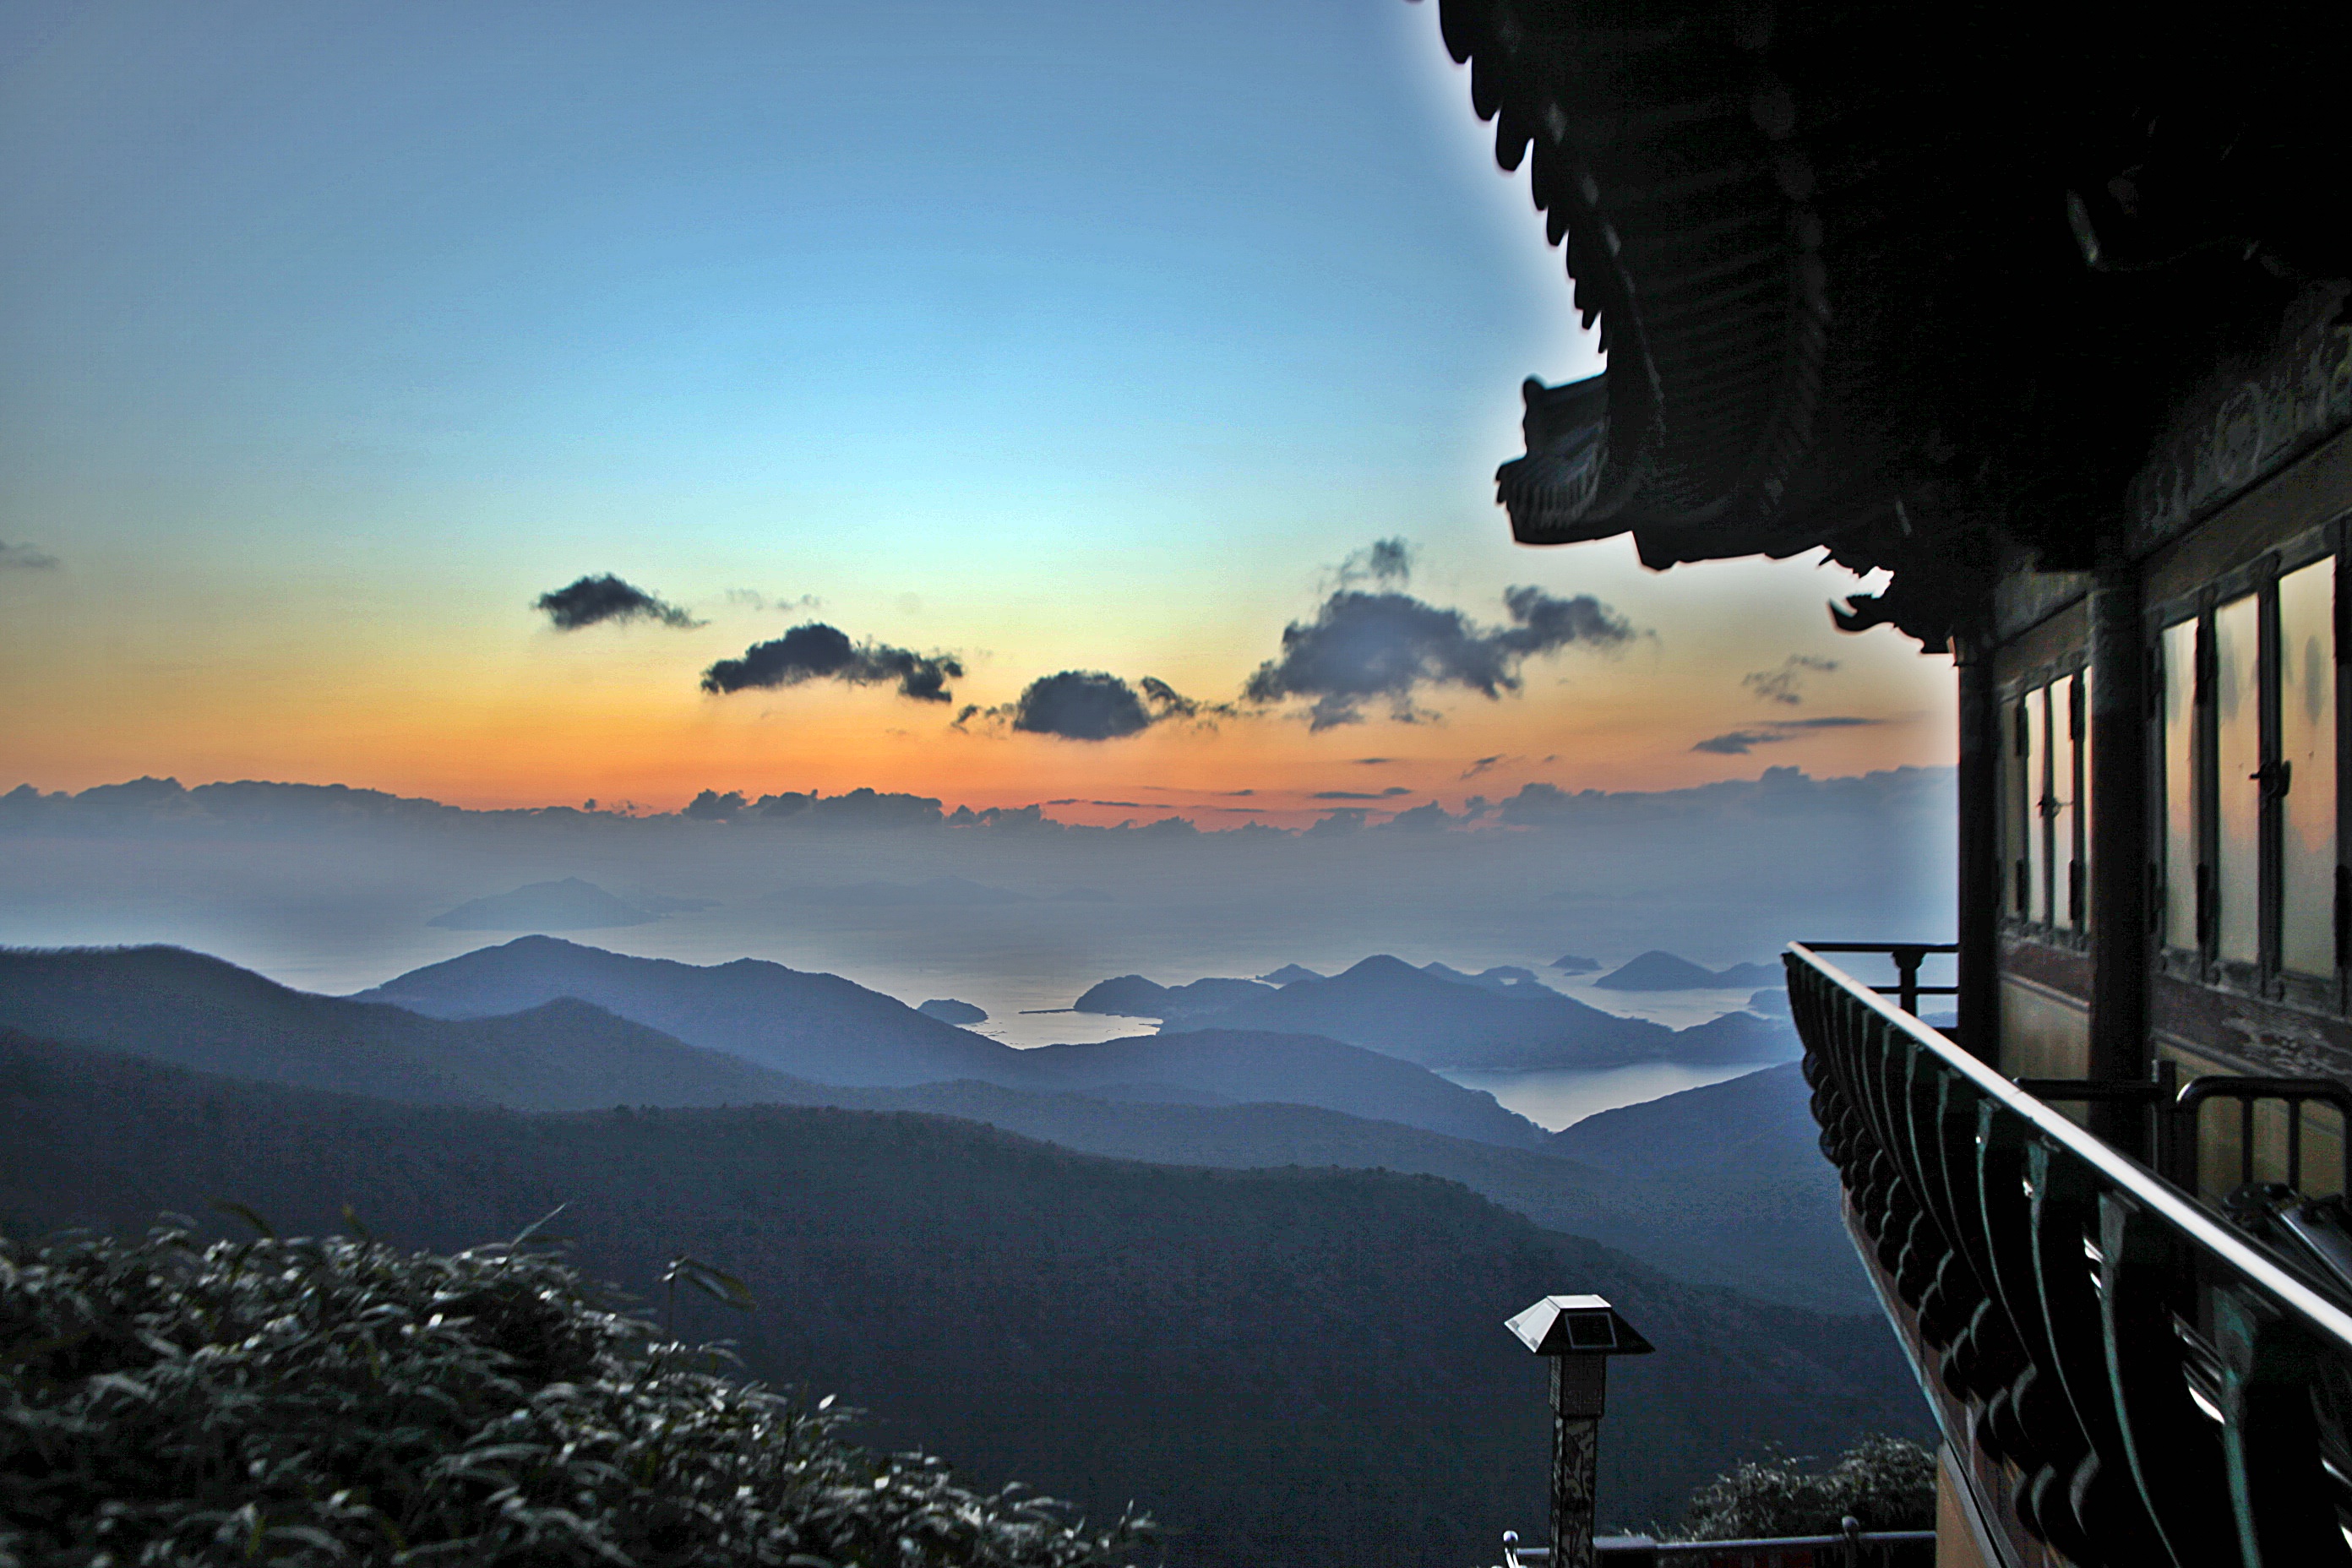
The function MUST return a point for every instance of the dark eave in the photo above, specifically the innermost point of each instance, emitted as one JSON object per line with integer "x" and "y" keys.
{"x": 1923, "y": 285}
{"x": 1659, "y": 154}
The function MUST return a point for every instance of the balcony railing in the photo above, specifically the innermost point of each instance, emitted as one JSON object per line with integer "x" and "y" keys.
{"x": 2124, "y": 1375}
{"x": 1853, "y": 1549}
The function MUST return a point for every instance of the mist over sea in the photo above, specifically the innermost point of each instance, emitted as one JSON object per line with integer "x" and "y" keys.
{"x": 332, "y": 892}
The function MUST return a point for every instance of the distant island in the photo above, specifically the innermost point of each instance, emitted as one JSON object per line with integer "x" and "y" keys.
{"x": 948, "y": 1010}
{"x": 1576, "y": 963}
{"x": 568, "y": 905}
{"x": 1502, "y": 1020}
{"x": 1657, "y": 970}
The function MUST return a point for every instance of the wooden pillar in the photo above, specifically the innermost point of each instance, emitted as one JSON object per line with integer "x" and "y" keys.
{"x": 2118, "y": 847}
{"x": 1978, "y": 931}
{"x": 1579, "y": 1400}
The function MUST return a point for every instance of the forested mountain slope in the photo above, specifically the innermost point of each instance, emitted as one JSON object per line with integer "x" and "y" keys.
{"x": 1302, "y": 1365}
{"x": 1767, "y": 1226}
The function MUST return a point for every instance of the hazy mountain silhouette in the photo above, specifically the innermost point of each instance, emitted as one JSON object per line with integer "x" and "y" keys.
{"x": 1386, "y": 1005}
{"x": 1293, "y": 1069}
{"x": 1658, "y": 970}
{"x": 568, "y": 905}
{"x": 1572, "y": 963}
{"x": 1501, "y": 977}
{"x": 1281, "y": 1365}
{"x": 1740, "y": 1037}
{"x": 1289, "y": 975}
{"x": 1727, "y": 1169}
{"x": 200, "y": 1012}
{"x": 948, "y": 1010}
{"x": 1133, "y": 996}
{"x": 563, "y": 1053}
{"x": 1761, "y": 1122}
{"x": 812, "y": 1025}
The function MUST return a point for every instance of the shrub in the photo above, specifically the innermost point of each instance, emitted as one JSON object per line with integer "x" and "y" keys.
{"x": 1886, "y": 1483}
{"x": 315, "y": 1401}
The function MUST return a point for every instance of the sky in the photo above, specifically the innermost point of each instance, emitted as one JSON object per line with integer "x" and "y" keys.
{"x": 1097, "y": 340}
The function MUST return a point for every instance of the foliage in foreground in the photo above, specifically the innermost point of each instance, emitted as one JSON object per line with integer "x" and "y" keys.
{"x": 1886, "y": 1483}
{"x": 314, "y": 1401}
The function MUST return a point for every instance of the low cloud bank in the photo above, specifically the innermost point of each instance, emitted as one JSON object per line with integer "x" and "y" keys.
{"x": 158, "y": 804}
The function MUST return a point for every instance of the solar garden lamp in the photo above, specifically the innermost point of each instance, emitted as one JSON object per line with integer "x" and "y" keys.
{"x": 1579, "y": 1334}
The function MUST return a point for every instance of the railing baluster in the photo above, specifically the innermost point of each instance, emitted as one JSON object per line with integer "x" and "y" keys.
{"x": 2062, "y": 1292}
{"x": 2106, "y": 1507}
{"x": 2173, "y": 1447}
{"x": 2272, "y": 1370}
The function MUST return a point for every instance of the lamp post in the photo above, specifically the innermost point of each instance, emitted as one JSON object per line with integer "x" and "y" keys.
{"x": 1579, "y": 1334}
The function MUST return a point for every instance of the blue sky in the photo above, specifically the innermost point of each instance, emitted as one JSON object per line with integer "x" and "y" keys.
{"x": 1059, "y": 336}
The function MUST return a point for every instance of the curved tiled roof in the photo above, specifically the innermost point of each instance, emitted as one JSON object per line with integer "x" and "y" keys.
{"x": 1918, "y": 284}
{"x": 1663, "y": 156}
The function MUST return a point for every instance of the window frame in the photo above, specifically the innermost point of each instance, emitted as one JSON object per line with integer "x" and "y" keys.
{"x": 2266, "y": 977}
{"x": 2031, "y": 802}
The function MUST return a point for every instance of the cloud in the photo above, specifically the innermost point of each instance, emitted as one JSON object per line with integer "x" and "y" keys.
{"x": 1359, "y": 793}
{"x": 1739, "y": 742}
{"x": 1486, "y": 764}
{"x": 1091, "y": 705}
{"x": 593, "y": 601}
{"x": 752, "y": 599}
{"x": 1372, "y": 762}
{"x": 1383, "y": 560}
{"x": 1362, "y": 647}
{"x": 22, "y": 557}
{"x": 819, "y": 652}
{"x": 1786, "y": 684}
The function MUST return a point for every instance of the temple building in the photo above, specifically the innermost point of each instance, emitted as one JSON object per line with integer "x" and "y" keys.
{"x": 2048, "y": 312}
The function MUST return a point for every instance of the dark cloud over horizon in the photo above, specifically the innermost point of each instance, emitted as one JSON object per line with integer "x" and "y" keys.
{"x": 1359, "y": 793}
{"x": 23, "y": 557}
{"x": 1786, "y": 685}
{"x": 1383, "y": 560}
{"x": 1739, "y": 742}
{"x": 594, "y": 601}
{"x": 816, "y": 651}
{"x": 1363, "y": 648}
{"x": 1090, "y": 705}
